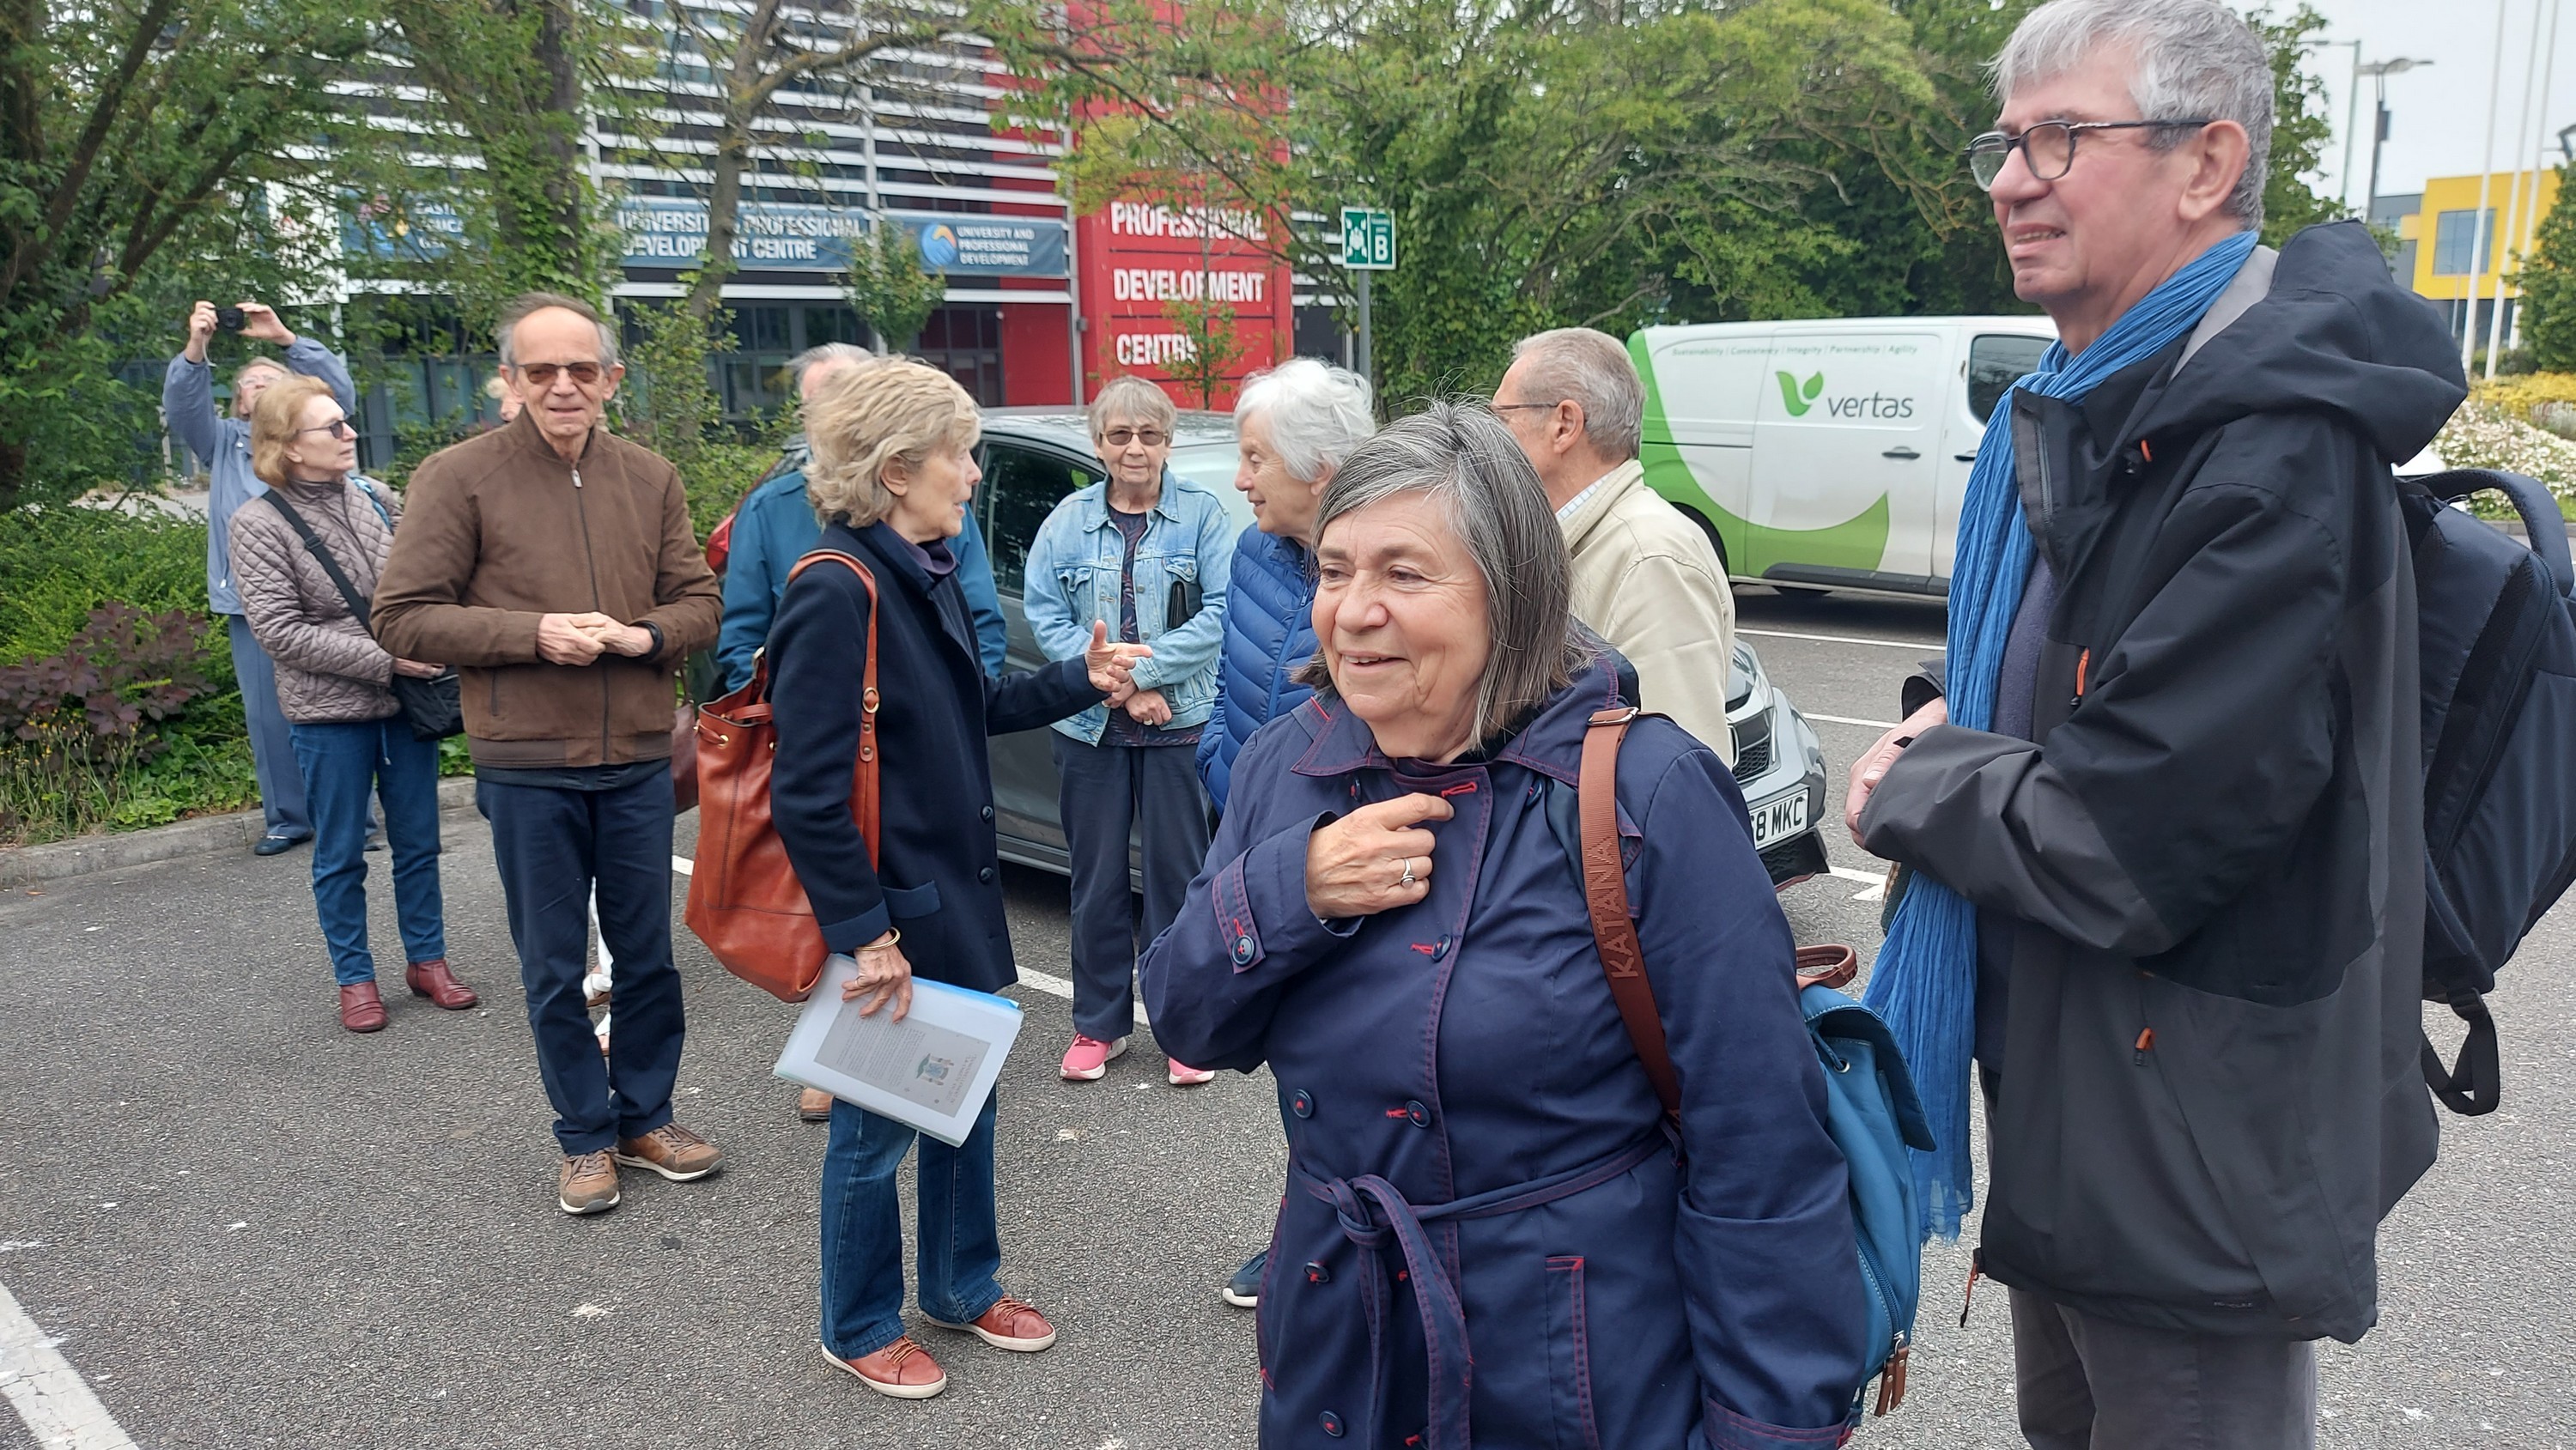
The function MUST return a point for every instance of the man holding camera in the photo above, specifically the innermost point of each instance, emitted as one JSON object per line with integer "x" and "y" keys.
{"x": 554, "y": 564}
{"x": 188, "y": 402}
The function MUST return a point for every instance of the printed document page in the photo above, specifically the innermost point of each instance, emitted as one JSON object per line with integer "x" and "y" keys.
{"x": 931, "y": 1070}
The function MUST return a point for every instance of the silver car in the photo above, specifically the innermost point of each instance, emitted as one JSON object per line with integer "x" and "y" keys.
{"x": 1033, "y": 457}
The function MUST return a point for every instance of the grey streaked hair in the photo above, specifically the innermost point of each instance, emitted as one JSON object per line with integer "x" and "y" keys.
{"x": 1590, "y": 369}
{"x": 825, "y": 352}
{"x": 2188, "y": 58}
{"x": 1317, "y": 414}
{"x": 1137, "y": 402}
{"x": 527, "y": 304}
{"x": 1464, "y": 458}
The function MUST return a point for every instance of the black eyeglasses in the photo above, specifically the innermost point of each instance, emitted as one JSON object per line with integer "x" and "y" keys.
{"x": 2047, "y": 148}
{"x": 337, "y": 428}
{"x": 1121, "y": 437}
{"x": 543, "y": 374}
{"x": 1515, "y": 407}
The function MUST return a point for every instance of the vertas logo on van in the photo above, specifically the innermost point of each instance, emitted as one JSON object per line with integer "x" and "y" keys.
{"x": 1799, "y": 397}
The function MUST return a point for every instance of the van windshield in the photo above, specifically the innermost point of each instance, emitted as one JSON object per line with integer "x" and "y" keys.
{"x": 1996, "y": 361}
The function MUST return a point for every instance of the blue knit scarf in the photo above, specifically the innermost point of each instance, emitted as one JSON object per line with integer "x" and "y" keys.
{"x": 1925, "y": 980}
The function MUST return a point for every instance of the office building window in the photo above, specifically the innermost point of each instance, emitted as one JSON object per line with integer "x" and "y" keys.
{"x": 2454, "y": 233}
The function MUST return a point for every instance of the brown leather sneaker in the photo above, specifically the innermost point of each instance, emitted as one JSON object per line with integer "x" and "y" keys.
{"x": 362, "y": 1008}
{"x": 672, "y": 1151}
{"x": 814, "y": 1105}
{"x": 434, "y": 981}
{"x": 902, "y": 1370}
{"x": 587, "y": 1184}
{"x": 1010, "y": 1324}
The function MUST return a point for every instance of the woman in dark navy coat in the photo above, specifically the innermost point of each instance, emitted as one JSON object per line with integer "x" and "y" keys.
{"x": 893, "y": 469}
{"x": 1488, "y": 1237}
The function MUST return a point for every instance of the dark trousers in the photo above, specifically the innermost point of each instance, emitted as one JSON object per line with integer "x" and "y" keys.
{"x": 2088, "y": 1383}
{"x": 272, "y": 742}
{"x": 1108, "y": 791}
{"x": 553, "y": 847}
{"x": 344, "y": 763}
{"x": 957, "y": 1244}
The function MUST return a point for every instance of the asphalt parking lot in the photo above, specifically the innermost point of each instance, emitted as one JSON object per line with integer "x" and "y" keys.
{"x": 244, "y": 1227}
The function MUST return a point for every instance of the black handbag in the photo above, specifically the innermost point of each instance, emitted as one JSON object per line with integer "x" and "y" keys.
{"x": 434, "y": 707}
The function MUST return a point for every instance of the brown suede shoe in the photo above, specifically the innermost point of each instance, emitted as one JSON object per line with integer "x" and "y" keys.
{"x": 902, "y": 1370}
{"x": 1010, "y": 1324}
{"x": 672, "y": 1151}
{"x": 434, "y": 981}
{"x": 361, "y": 1008}
{"x": 814, "y": 1105}
{"x": 587, "y": 1184}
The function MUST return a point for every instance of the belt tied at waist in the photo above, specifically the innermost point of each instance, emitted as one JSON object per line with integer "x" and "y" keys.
{"x": 1371, "y": 1210}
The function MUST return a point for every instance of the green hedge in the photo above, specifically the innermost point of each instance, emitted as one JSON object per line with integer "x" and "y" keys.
{"x": 58, "y": 564}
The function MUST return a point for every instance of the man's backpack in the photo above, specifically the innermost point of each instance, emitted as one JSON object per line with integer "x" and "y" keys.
{"x": 1871, "y": 1110}
{"x": 2498, "y": 640}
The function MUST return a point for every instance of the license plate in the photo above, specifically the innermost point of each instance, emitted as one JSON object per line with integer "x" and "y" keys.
{"x": 1778, "y": 820}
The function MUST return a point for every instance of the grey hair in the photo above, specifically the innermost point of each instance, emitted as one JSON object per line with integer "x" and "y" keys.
{"x": 825, "y": 352}
{"x": 1136, "y": 400}
{"x": 1590, "y": 369}
{"x": 2189, "y": 58}
{"x": 527, "y": 304}
{"x": 1317, "y": 414}
{"x": 1463, "y": 457}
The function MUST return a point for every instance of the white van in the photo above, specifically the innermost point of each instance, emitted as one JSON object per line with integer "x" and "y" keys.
{"x": 1828, "y": 454}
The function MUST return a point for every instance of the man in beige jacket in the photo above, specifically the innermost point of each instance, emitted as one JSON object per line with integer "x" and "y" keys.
{"x": 1645, "y": 578}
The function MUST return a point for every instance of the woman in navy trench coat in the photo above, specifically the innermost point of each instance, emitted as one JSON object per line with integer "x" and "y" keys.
{"x": 1489, "y": 1237}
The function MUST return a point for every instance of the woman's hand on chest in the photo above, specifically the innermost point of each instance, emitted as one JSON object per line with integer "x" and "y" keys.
{"x": 1374, "y": 859}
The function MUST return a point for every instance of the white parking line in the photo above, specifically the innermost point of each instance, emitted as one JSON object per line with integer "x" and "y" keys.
{"x": 47, "y": 1392}
{"x": 1849, "y": 720}
{"x": 1843, "y": 639}
{"x": 1876, "y": 882}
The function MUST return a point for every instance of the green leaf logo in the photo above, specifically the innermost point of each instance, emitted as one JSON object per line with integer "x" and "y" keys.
{"x": 1798, "y": 398}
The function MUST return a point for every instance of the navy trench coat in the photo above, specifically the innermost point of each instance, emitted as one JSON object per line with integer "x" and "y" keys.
{"x": 1487, "y": 1236}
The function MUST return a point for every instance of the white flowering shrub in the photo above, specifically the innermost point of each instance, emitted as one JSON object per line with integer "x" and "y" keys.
{"x": 2481, "y": 435}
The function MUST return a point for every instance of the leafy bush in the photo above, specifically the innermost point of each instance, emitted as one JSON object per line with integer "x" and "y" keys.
{"x": 59, "y": 564}
{"x": 2483, "y": 435}
{"x": 77, "y": 728}
{"x": 2519, "y": 395}
{"x": 719, "y": 475}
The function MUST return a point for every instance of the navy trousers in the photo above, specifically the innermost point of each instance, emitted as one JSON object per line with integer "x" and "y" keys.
{"x": 1108, "y": 791}
{"x": 552, "y": 846}
{"x": 272, "y": 743}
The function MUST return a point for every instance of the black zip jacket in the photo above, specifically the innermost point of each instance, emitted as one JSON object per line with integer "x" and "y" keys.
{"x": 2211, "y": 852}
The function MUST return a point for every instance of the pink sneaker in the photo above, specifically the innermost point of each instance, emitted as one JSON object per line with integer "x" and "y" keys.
{"x": 1184, "y": 1075}
{"x": 1089, "y": 1057}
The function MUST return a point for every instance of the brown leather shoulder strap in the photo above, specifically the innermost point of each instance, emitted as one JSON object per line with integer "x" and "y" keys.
{"x": 1605, "y": 891}
{"x": 865, "y": 799}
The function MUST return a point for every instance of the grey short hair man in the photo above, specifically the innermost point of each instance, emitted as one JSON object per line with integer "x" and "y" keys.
{"x": 1646, "y": 578}
{"x": 2188, "y": 823}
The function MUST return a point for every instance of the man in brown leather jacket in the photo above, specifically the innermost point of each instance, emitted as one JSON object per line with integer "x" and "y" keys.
{"x": 554, "y": 565}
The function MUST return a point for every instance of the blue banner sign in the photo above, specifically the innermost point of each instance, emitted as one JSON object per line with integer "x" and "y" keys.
{"x": 772, "y": 237}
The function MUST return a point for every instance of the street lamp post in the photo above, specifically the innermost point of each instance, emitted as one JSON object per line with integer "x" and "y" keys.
{"x": 2379, "y": 71}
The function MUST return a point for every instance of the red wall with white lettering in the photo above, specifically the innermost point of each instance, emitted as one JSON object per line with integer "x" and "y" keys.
{"x": 1135, "y": 258}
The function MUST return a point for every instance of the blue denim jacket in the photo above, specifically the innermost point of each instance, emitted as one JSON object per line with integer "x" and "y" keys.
{"x": 1074, "y": 567}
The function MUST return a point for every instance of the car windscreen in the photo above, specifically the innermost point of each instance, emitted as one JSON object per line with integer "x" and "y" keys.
{"x": 1211, "y": 466}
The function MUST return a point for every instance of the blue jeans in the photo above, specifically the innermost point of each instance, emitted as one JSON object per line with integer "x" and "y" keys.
{"x": 553, "y": 847}
{"x": 341, "y": 764}
{"x": 960, "y": 1251}
{"x": 272, "y": 747}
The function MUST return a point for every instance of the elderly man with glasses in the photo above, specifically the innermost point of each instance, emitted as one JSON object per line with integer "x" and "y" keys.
{"x": 2162, "y": 797}
{"x": 554, "y": 565}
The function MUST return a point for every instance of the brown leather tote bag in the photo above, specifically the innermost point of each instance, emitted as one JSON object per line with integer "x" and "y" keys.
{"x": 745, "y": 902}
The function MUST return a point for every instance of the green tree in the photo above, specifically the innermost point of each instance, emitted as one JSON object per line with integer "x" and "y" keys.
{"x": 2301, "y": 127}
{"x": 888, "y": 286}
{"x": 1215, "y": 345}
{"x": 145, "y": 159}
{"x": 2548, "y": 283}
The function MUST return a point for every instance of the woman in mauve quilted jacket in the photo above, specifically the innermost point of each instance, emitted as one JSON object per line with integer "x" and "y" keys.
{"x": 334, "y": 683}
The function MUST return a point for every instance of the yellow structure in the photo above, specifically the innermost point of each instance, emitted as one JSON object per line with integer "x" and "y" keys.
{"x": 2443, "y": 229}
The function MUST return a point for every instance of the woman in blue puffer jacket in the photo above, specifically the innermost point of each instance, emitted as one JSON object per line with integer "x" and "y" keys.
{"x": 1294, "y": 424}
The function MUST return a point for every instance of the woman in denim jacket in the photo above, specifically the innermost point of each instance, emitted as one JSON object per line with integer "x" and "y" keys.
{"x": 1147, "y": 554}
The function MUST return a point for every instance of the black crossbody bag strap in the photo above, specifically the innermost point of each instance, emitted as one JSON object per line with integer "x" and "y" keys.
{"x": 322, "y": 556}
